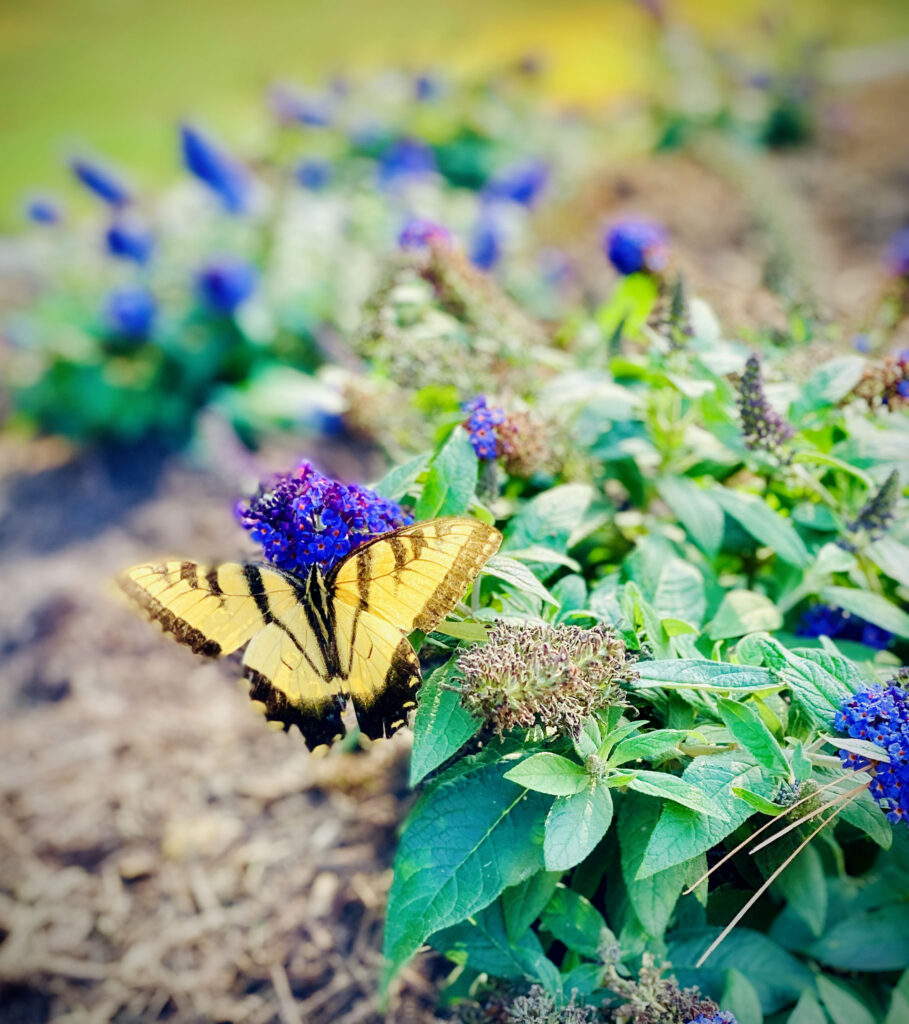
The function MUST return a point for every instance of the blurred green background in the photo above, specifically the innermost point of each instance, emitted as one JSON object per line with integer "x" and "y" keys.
{"x": 112, "y": 76}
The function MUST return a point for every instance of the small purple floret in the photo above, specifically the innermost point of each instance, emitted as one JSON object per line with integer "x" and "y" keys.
{"x": 304, "y": 519}
{"x": 636, "y": 246}
{"x": 718, "y": 1018}
{"x": 825, "y": 620}
{"x": 420, "y": 233}
{"x": 481, "y": 425}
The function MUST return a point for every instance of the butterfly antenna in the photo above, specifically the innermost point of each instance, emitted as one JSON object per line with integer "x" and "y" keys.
{"x": 839, "y": 798}
{"x": 767, "y": 824}
{"x": 760, "y": 892}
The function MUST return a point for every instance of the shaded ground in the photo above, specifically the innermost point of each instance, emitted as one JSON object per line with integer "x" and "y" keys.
{"x": 163, "y": 855}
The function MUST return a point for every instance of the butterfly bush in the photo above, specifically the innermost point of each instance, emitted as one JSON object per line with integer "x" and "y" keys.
{"x": 305, "y": 519}
{"x": 762, "y": 427}
{"x": 652, "y": 998}
{"x": 880, "y": 715}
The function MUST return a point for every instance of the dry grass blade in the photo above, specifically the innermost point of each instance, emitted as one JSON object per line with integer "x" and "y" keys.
{"x": 820, "y": 810}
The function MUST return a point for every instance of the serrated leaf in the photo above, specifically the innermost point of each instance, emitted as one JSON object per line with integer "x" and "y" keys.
{"x": 575, "y": 825}
{"x": 464, "y": 842}
{"x": 522, "y": 904}
{"x": 452, "y": 480}
{"x": 873, "y": 607}
{"x": 648, "y": 746}
{"x": 517, "y": 575}
{"x": 653, "y": 899}
{"x": 441, "y": 725}
{"x": 682, "y": 833}
{"x": 741, "y": 612}
{"x": 680, "y": 592}
{"x": 399, "y": 481}
{"x": 899, "y": 1004}
{"x": 764, "y": 524}
{"x": 549, "y": 773}
{"x": 864, "y": 813}
{"x": 576, "y": 922}
{"x": 748, "y": 728}
{"x": 696, "y": 510}
{"x": 671, "y": 787}
{"x": 816, "y": 691}
{"x": 804, "y": 887}
{"x": 549, "y": 519}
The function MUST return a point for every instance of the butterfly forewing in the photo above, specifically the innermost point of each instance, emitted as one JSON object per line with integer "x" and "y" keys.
{"x": 415, "y": 576}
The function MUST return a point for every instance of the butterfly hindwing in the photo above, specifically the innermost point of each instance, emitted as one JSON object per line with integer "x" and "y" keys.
{"x": 415, "y": 576}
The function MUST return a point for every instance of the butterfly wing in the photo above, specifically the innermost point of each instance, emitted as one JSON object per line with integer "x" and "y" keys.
{"x": 414, "y": 577}
{"x": 212, "y": 610}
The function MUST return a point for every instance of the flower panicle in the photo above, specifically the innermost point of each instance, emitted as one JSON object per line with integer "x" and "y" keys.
{"x": 762, "y": 426}
{"x": 880, "y": 715}
{"x": 555, "y": 676}
{"x": 878, "y": 512}
{"x": 305, "y": 519}
{"x": 519, "y": 438}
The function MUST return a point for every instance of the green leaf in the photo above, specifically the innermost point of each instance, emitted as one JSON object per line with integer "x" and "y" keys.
{"x": 517, "y": 575}
{"x": 628, "y": 306}
{"x": 804, "y": 887}
{"x": 816, "y": 691}
{"x": 653, "y": 899}
{"x": 702, "y": 675}
{"x": 537, "y": 553}
{"x": 696, "y": 510}
{"x": 778, "y": 978}
{"x": 808, "y": 1011}
{"x": 873, "y": 607}
{"x": 441, "y": 725}
{"x": 452, "y": 479}
{"x": 671, "y": 787}
{"x": 463, "y": 630}
{"x": 682, "y": 833}
{"x": 398, "y": 482}
{"x": 748, "y": 728}
{"x": 764, "y": 524}
{"x": 680, "y": 592}
{"x": 758, "y": 802}
{"x": 831, "y": 381}
{"x": 575, "y": 825}
{"x": 873, "y": 940}
{"x": 648, "y": 746}
{"x": 899, "y": 1005}
{"x": 865, "y": 814}
{"x": 485, "y": 945}
{"x": 741, "y": 612}
{"x": 549, "y": 519}
{"x": 576, "y": 922}
{"x": 892, "y": 558}
{"x": 550, "y": 773}
{"x": 741, "y": 999}
{"x": 522, "y": 904}
{"x": 842, "y": 1004}
{"x": 465, "y": 841}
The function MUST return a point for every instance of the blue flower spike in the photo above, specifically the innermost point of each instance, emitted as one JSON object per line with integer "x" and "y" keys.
{"x": 43, "y": 210}
{"x": 481, "y": 425}
{"x": 637, "y": 246}
{"x": 215, "y": 168}
{"x": 226, "y": 283}
{"x": 127, "y": 240}
{"x": 101, "y": 181}
{"x": 304, "y": 519}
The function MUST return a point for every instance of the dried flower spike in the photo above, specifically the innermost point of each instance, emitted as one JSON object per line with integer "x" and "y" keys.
{"x": 555, "y": 676}
{"x": 762, "y": 425}
{"x": 886, "y": 385}
{"x": 653, "y": 999}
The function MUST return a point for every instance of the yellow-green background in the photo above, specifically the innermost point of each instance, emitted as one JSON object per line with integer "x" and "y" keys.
{"x": 114, "y": 75}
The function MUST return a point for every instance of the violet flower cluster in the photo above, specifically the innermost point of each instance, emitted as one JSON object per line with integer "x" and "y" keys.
{"x": 304, "y": 519}
{"x": 825, "y": 620}
{"x": 481, "y": 425}
{"x": 880, "y": 715}
{"x": 762, "y": 425}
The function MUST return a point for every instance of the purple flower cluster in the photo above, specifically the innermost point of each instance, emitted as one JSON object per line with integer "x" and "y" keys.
{"x": 880, "y": 715}
{"x": 226, "y": 283}
{"x": 481, "y": 425}
{"x": 718, "y": 1018}
{"x": 305, "y": 519}
{"x": 635, "y": 246}
{"x": 825, "y": 620}
{"x": 762, "y": 425}
{"x": 420, "y": 233}
{"x": 405, "y": 160}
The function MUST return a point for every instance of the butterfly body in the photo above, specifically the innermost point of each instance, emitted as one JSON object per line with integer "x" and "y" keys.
{"x": 316, "y": 641}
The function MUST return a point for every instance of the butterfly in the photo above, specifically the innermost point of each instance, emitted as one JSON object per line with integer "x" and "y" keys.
{"x": 318, "y": 640}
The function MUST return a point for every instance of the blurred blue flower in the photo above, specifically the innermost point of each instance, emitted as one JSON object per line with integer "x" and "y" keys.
{"x": 215, "y": 168}
{"x": 419, "y": 233}
{"x": 292, "y": 106}
{"x": 130, "y": 311}
{"x": 405, "y": 159}
{"x": 427, "y": 87}
{"x": 722, "y": 1017}
{"x": 826, "y": 620}
{"x": 304, "y": 519}
{"x": 102, "y": 181}
{"x": 521, "y": 183}
{"x": 314, "y": 174}
{"x": 226, "y": 283}
{"x": 633, "y": 246}
{"x": 897, "y": 256}
{"x": 43, "y": 210}
{"x": 862, "y": 343}
{"x": 129, "y": 241}
{"x": 485, "y": 244}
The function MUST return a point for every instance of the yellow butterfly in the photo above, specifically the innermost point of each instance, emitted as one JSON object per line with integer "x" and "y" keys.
{"x": 315, "y": 641}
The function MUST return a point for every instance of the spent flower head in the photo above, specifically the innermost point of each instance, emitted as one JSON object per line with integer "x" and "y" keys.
{"x": 555, "y": 676}
{"x": 885, "y": 385}
{"x": 653, "y": 999}
{"x": 762, "y": 426}
{"x": 880, "y": 715}
{"x": 304, "y": 519}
